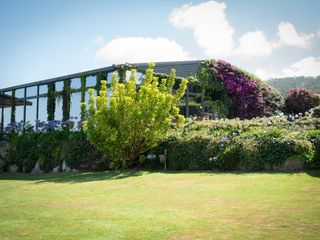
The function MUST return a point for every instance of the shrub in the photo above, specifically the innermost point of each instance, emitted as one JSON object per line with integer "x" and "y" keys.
{"x": 133, "y": 121}
{"x": 300, "y": 100}
{"x": 250, "y": 95}
{"x": 51, "y": 149}
{"x": 198, "y": 148}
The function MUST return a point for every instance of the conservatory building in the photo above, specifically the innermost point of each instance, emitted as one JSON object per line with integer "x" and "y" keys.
{"x": 36, "y": 104}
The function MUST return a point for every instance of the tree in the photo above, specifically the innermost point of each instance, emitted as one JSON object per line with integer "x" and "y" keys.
{"x": 131, "y": 121}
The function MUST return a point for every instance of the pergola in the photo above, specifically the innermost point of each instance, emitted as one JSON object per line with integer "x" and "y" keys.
{"x": 7, "y": 101}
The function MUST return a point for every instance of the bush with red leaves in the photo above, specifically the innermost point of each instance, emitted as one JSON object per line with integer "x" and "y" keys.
{"x": 300, "y": 100}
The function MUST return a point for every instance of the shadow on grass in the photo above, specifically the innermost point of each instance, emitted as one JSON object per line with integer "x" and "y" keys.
{"x": 114, "y": 175}
{"x": 71, "y": 177}
{"x": 312, "y": 173}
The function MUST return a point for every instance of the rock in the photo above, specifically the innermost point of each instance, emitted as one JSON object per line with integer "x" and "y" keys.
{"x": 13, "y": 168}
{"x": 37, "y": 168}
{"x": 75, "y": 170}
{"x": 65, "y": 168}
{"x": 56, "y": 169}
{"x": 293, "y": 163}
{"x": 4, "y": 149}
{"x": 1, "y": 165}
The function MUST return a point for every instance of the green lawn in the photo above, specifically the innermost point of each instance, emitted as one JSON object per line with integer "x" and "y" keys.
{"x": 153, "y": 205}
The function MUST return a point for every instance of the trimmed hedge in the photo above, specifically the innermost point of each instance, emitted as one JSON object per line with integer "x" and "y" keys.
{"x": 51, "y": 149}
{"x": 259, "y": 144}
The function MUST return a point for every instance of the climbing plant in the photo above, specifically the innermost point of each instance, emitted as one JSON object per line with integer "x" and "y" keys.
{"x": 66, "y": 99}
{"x": 13, "y": 106}
{"x": 99, "y": 77}
{"x": 51, "y": 102}
{"x": 83, "y": 80}
{"x": 245, "y": 95}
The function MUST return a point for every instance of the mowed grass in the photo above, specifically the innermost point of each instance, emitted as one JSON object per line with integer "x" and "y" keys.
{"x": 160, "y": 205}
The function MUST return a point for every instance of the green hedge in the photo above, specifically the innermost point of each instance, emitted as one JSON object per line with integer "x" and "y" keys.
{"x": 209, "y": 145}
{"x": 51, "y": 149}
{"x": 261, "y": 152}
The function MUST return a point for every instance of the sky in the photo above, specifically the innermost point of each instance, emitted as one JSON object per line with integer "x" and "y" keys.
{"x": 45, "y": 39}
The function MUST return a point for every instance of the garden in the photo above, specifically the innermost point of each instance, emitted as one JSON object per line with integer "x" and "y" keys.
{"x": 245, "y": 164}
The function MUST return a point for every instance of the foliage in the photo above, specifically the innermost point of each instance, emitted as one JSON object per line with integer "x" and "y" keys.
{"x": 300, "y": 100}
{"x": 51, "y": 102}
{"x": 83, "y": 80}
{"x": 251, "y": 97}
{"x": 99, "y": 77}
{"x": 194, "y": 108}
{"x": 51, "y": 149}
{"x": 13, "y": 107}
{"x": 257, "y": 144}
{"x": 66, "y": 100}
{"x": 240, "y": 93}
{"x": 132, "y": 121}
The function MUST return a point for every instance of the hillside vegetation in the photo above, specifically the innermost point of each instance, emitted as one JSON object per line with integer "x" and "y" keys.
{"x": 284, "y": 84}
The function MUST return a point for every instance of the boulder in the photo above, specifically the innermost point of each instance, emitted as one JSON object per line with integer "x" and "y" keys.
{"x": 293, "y": 163}
{"x": 1, "y": 165}
{"x": 37, "y": 168}
{"x": 13, "y": 168}
{"x": 4, "y": 149}
{"x": 65, "y": 168}
{"x": 56, "y": 169}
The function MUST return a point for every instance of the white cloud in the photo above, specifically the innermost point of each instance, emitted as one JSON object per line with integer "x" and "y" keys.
{"x": 140, "y": 49}
{"x": 289, "y": 36}
{"x": 209, "y": 25}
{"x": 215, "y": 35}
{"x": 309, "y": 66}
{"x": 262, "y": 73}
{"x": 254, "y": 44}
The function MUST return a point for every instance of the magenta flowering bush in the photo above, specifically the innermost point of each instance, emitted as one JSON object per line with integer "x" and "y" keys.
{"x": 251, "y": 96}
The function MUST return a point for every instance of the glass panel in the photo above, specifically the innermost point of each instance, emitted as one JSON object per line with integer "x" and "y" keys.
{"x": 59, "y": 86}
{"x": 20, "y": 93}
{"x": 58, "y": 110}
{"x": 31, "y": 112}
{"x": 8, "y": 93}
{"x": 140, "y": 77}
{"x": 7, "y": 116}
{"x": 43, "y": 89}
{"x": 75, "y": 109}
{"x": 75, "y": 106}
{"x": 91, "y": 81}
{"x": 43, "y": 109}
{"x": 75, "y": 83}
{"x": 19, "y": 114}
{"x": 32, "y": 91}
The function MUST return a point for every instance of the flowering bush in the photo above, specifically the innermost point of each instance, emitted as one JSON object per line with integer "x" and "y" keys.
{"x": 132, "y": 121}
{"x": 300, "y": 100}
{"x": 251, "y": 96}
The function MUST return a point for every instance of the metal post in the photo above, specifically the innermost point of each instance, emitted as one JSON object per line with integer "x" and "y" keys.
{"x": 187, "y": 102}
{"x": 24, "y": 106}
{"x": 37, "y": 111}
{"x": 2, "y": 112}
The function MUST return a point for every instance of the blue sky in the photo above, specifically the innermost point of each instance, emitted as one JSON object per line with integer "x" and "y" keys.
{"x": 44, "y": 39}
